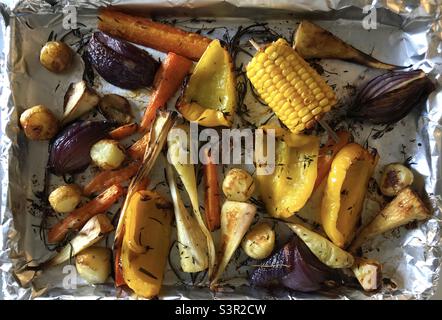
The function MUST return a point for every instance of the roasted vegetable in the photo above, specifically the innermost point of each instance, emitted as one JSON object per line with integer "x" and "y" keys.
{"x": 328, "y": 253}
{"x": 77, "y": 218}
{"x": 288, "y": 188}
{"x": 192, "y": 243}
{"x": 259, "y": 242}
{"x": 209, "y": 97}
{"x": 395, "y": 177}
{"x": 310, "y": 213}
{"x": 39, "y": 123}
{"x": 293, "y": 266}
{"x": 70, "y": 150}
{"x": 405, "y": 207}
{"x": 78, "y": 100}
{"x": 124, "y": 131}
{"x": 146, "y": 242}
{"x": 368, "y": 272}
{"x": 162, "y": 37}
{"x": 107, "y": 154}
{"x": 116, "y": 108}
{"x": 92, "y": 232}
{"x": 56, "y": 56}
{"x": 186, "y": 172}
{"x": 312, "y": 42}
{"x": 94, "y": 264}
{"x": 65, "y": 198}
{"x": 238, "y": 185}
{"x": 292, "y": 89}
{"x": 212, "y": 209}
{"x": 121, "y": 63}
{"x": 168, "y": 80}
{"x": 344, "y": 194}
{"x": 390, "y": 97}
{"x": 236, "y": 218}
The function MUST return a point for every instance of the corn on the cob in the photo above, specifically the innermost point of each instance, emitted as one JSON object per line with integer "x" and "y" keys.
{"x": 292, "y": 89}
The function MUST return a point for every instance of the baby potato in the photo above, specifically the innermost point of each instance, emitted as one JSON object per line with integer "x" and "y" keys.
{"x": 238, "y": 185}
{"x": 39, "y": 123}
{"x": 259, "y": 242}
{"x": 94, "y": 264}
{"x": 107, "y": 154}
{"x": 65, "y": 199}
{"x": 395, "y": 178}
{"x": 56, "y": 56}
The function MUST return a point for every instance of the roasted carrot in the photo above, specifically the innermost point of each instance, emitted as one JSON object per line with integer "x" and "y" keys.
{"x": 212, "y": 201}
{"x": 123, "y": 131}
{"x": 107, "y": 178}
{"x": 168, "y": 80}
{"x": 160, "y": 36}
{"x": 327, "y": 154}
{"x": 137, "y": 149}
{"x": 118, "y": 269}
{"x": 77, "y": 218}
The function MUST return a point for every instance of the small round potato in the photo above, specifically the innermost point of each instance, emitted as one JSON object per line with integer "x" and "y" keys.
{"x": 56, "y": 56}
{"x": 395, "y": 178}
{"x": 107, "y": 154}
{"x": 39, "y": 123}
{"x": 238, "y": 185}
{"x": 94, "y": 264}
{"x": 259, "y": 242}
{"x": 65, "y": 199}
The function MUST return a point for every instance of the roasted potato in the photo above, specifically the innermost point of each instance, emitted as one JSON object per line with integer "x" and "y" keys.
{"x": 94, "y": 264}
{"x": 395, "y": 178}
{"x": 259, "y": 242}
{"x": 65, "y": 198}
{"x": 39, "y": 123}
{"x": 107, "y": 154}
{"x": 238, "y": 185}
{"x": 56, "y": 56}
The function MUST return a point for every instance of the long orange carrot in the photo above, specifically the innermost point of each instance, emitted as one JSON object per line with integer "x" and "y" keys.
{"x": 212, "y": 201}
{"x": 107, "y": 178}
{"x": 136, "y": 150}
{"x": 77, "y": 218}
{"x": 327, "y": 154}
{"x": 123, "y": 131}
{"x": 168, "y": 80}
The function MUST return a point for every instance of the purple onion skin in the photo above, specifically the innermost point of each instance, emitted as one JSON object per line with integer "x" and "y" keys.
{"x": 121, "y": 63}
{"x": 295, "y": 267}
{"x": 69, "y": 152}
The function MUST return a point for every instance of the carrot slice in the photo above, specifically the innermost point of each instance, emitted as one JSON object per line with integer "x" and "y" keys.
{"x": 212, "y": 201}
{"x": 327, "y": 154}
{"x": 136, "y": 150}
{"x": 77, "y": 218}
{"x": 123, "y": 131}
{"x": 107, "y": 178}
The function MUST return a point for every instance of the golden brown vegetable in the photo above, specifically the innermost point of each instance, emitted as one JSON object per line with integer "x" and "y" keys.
{"x": 116, "y": 108}
{"x": 65, "y": 198}
{"x": 259, "y": 242}
{"x": 368, "y": 272}
{"x": 39, "y": 123}
{"x": 395, "y": 178}
{"x": 56, "y": 56}
{"x": 94, "y": 264}
{"x": 406, "y": 207}
{"x": 238, "y": 185}
{"x": 107, "y": 154}
{"x": 78, "y": 100}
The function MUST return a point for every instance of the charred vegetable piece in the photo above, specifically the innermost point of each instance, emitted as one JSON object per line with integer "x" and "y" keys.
{"x": 121, "y": 63}
{"x": 209, "y": 97}
{"x": 56, "y": 56}
{"x": 94, "y": 264}
{"x": 293, "y": 266}
{"x": 390, "y": 97}
{"x": 404, "y": 208}
{"x": 79, "y": 99}
{"x": 162, "y": 37}
{"x": 39, "y": 123}
{"x": 65, "y": 198}
{"x": 70, "y": 150}
{"x": 116, "y": 108}
{"x": 259, "y": 242}
{"x": 368, "y": 272}
{"x": 312, "y": 41}
{"x": 395, "y": 177}
{"x": 290, "y": 86}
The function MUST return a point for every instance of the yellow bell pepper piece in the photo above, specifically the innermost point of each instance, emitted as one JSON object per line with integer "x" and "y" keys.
{"x": 345, "y": 192}
{"x": 210, "y": 94}
{"x": 287, "y": 189}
